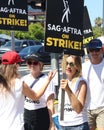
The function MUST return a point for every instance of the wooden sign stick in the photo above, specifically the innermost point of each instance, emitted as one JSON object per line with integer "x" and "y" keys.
{"x": 62, "y": 91}
{"x": 85, "y": 51}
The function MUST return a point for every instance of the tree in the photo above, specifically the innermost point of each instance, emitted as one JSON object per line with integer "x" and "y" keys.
{"x": 97, "y": 31}
{"x": 98, "y": 22}
{"x": 36, "y": 31}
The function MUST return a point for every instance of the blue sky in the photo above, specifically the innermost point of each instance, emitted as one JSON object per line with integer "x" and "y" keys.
{"x": 95, "y": 9}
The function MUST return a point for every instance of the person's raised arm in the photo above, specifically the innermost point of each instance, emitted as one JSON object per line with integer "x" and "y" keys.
{"x": 28, "y": 92}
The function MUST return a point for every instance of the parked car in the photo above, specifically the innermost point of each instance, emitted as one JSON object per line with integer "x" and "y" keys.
{"x": 19, "y": 45}
{"x": 3, "y": 41}
{"x": 37, "y": 49}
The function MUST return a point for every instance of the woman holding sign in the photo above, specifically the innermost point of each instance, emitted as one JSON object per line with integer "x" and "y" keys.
{"x": 75, "y": 104}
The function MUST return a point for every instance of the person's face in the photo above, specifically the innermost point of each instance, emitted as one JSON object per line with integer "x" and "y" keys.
{"x": 70, "y": 66}
{"x": 33, "y": 65}
{"x": 96, "y": 54}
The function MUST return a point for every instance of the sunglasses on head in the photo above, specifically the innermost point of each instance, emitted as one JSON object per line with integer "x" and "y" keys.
{"x": 96, "y": 50}
{"x": 32, "y": 63}
{"x": 71, "y": 64}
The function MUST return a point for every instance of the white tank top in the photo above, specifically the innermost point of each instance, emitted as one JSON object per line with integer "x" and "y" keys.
{"x": 71, "y": 118}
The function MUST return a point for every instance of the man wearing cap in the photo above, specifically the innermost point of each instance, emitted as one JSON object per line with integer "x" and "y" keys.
{"x": 93, "y": 72}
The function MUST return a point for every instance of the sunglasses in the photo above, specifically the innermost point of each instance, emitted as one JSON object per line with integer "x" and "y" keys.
{"x": 32, "y": 63}
{"x": 96, "y": 50}
{"x": 71, "y": 64}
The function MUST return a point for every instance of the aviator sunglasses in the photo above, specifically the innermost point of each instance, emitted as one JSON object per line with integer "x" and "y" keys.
{"x": 32, "y": 63}
{"x": 71, "y": 64}
{"x": 95, "y": 49}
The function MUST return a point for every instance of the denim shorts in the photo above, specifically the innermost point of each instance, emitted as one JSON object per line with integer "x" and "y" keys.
{"x": 83, "y": 126}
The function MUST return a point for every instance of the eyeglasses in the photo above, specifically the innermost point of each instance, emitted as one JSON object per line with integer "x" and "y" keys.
{"x": 32, "y": 63}
{"x": 96, "y": 50}
{"x": 71, "y": 64}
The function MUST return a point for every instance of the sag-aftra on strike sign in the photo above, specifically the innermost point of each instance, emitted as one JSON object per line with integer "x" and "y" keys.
{"x": 13, "y": 15}
{"x": 64, "y": 26}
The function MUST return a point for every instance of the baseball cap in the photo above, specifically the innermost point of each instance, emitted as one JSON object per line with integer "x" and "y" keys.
{"x": 94, "y": 43}
{"x": 35, "y": 57}
{"x": 10, "y": 57}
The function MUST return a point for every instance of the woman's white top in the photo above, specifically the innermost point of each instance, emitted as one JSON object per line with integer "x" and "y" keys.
{"x": 11, "y": 108}
{"x": 42, "y": 102}
{"x": 71, "y": 118}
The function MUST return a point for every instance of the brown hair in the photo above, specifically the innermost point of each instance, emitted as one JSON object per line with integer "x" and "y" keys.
{"x": 10, "y": 72}
{"x": 3, "y": 84}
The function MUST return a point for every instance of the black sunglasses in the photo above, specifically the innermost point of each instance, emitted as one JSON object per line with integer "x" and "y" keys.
{"x": 96, "y": 50}
{"x": 32, "y": 63}
{"x": 71, "y": 64}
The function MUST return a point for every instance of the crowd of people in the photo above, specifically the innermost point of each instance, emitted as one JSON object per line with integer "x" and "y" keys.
{"x": 27, "y": 103}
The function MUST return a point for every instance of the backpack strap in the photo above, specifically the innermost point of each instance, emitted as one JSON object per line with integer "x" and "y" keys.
{"x": 36, "y": 80}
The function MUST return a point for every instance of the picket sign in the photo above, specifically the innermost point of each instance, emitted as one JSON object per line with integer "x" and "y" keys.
{"x": 62, "y": 91}
{"x": 64, "y": 32}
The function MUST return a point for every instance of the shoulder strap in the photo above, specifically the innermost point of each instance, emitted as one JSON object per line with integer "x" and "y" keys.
{"x": 36, "y": 80}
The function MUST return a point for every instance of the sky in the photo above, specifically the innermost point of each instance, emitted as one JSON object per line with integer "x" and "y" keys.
{"x": 95, "y": 9}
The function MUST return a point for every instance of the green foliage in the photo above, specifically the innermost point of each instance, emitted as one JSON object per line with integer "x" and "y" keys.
{"x": 97, "y": 31}
{"x": 5, "y": 32}
{"x": 98, "y": 21}
{"x": 35, "y": 32}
